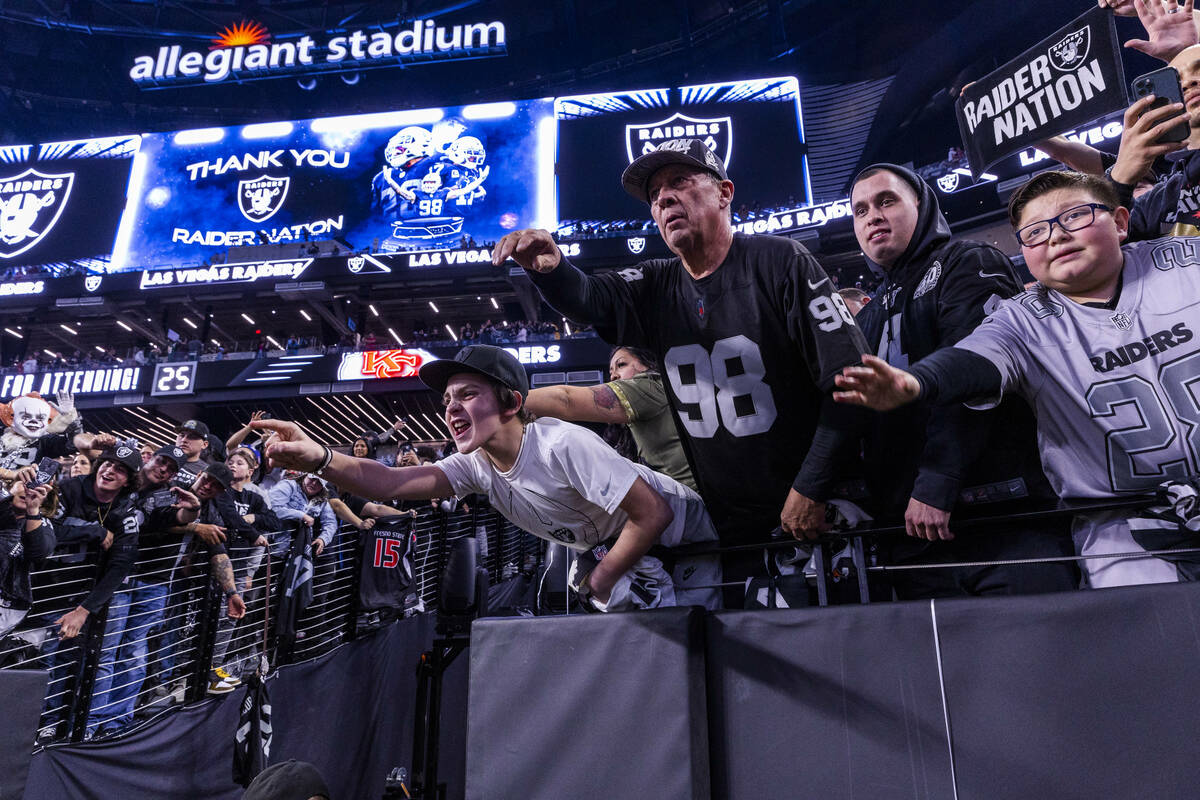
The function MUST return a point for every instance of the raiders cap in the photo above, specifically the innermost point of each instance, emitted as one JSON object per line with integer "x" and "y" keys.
{"x": 692, "y": 152}
{"x": 479, "y": 359}
{"x": 172, "y": 453}
{"x": 194, "y": 426}
{"x": 122, "y": 454}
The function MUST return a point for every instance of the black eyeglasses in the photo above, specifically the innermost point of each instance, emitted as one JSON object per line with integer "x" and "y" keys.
{"x": 1073, "y": 219}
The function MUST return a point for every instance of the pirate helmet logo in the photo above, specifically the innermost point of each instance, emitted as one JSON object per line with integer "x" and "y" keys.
{"x": 1069, "y": 52}
{"x": 355, "y": 263}
{"x": 30, "y": 205}
{"x": 636, "y": 244}
{"x": 92, "y": 282}
{"x": 261, "y": 197}
{"x": 716, "y": 133}
{"x": 948, "y": 182}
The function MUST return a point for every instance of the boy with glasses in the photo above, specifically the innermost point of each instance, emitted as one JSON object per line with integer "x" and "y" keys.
{"x": 1104, "y": 349}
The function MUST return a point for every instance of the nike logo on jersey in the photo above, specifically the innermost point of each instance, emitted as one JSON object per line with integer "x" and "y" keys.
{"x": 986, "y": 275}
{"x": 1131, "y": 353}
{"x": 813, "y": 286}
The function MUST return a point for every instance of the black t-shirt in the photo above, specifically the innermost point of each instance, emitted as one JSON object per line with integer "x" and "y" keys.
{"x": 747, "y": 354}
{"x": 52, "y": 445}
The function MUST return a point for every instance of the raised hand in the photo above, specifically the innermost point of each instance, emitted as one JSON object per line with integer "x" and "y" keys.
{"x": 290, "y": 448}
{"x": 876, "y": 384}
{"x": 532, "y": 248}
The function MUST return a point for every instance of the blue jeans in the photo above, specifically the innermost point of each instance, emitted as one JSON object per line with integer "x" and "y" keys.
{"x": 132, "y": 617}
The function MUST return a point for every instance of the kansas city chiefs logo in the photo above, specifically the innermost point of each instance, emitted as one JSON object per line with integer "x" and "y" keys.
{"x": 30, "y": 204}
{"x": 717, "y": 135}
{"x": 1070, "y": 51}
{"x": 92, "y": 282}
{"x": 260, "y": 198}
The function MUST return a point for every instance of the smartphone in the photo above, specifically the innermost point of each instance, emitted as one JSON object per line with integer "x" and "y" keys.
{"x": 47, "y": 470}
{"x": 1165, "y": 86}
{"x": 406, "y": 447}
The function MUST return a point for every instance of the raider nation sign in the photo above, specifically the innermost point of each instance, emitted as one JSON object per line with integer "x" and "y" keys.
{"x": 1065, "y": 81}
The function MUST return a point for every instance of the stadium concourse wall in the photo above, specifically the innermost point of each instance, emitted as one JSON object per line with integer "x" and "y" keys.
{"x": 1088, "y": 694}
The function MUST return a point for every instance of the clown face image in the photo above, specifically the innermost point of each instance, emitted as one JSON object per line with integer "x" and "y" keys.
{"x": 31, "y": 415}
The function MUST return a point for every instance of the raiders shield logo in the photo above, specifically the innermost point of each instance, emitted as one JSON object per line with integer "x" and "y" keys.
{"x": 717, "y": 135}
{"x": 929, "y": 281}
{"x": 123, "y": 452}
{"x": 1070, "y": 51}
{"x": 30, "y": 204}
{"x": 92, "y": 282}
{"x": 636, "y": 244}
{"x": 260, "y": 198}
{"x": 355, "y": 264}
{"x": 948, "y": 182}
{"x": 1121, "y": 320}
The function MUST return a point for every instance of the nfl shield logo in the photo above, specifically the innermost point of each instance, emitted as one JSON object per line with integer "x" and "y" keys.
{"x": 1122, "y": 320}
{"x": 1070, "y": 51}
{"x": 355, "y": 263}
{"x": 948, "y": 182}
{"x": 636, "y": 244}
{"x": 30, "y": 204}
{"x": 92, "y": 282}
{"x": 717, "y": 135}
{"x": 260, "y": 198}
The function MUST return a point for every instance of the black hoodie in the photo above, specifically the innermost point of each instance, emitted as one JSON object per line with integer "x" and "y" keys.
{"x": 936, "y": 293}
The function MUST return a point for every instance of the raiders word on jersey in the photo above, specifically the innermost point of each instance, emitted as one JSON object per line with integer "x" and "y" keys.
{"x": 1116, "y": 392}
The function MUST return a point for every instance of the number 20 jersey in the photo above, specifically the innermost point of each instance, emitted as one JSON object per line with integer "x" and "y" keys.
{"x": 1116, "y": 392}
{"x": 747, "y": 355}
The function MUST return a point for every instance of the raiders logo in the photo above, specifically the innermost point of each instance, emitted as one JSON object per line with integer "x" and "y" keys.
{"x": 929, "y": 281}
{"x": 260, "y": 198}
{"x": 30, "y": 204}
{"x": 948, "y": 182}
{"x": 92, "y": 282}
{"x": 122, "y": 452}
{"x": 636, "y": 244}
{"x": 717, "y": 135}
{"x": 1070, "y": 51}
{"x": 563, "y": 535}
{"x": 179, "y": 454}
{"x": 355, "y": 264}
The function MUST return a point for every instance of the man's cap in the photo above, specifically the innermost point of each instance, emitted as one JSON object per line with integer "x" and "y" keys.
{"x": 194, "y": 426}
{"x": 693, "y": 152}
{"x": 287, "y": 780}
{"x": 173, "y": 453}
{"x": 479, "y": 359}
{"x": 122, "y": 454}
{"x": 220, "y": 473}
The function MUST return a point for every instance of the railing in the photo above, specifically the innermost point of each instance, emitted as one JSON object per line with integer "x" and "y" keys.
{"x": 153, "y": 647}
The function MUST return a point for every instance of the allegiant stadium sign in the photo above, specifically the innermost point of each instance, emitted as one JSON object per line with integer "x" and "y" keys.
{"x": 245, "y": 52}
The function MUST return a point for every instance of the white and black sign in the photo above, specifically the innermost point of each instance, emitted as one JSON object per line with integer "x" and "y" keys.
{"x": 80, "y": 381}
{"x": 30, "y": 204}
{"x": 175, "y": 378}
{"x": 260, "y": 198}
{"x": 1065, "y": 81}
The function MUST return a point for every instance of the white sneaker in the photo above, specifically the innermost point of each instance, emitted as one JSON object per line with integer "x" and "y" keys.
{"x": 217, "y": 684}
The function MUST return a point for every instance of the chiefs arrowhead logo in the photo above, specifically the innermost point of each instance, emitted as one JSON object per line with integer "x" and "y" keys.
{"x": 30, "y": 204}
{"x": 717, "y": 135}
{"x": 260, "y": 198}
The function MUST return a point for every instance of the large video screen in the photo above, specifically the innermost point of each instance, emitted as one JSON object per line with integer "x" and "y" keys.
{"x": 754, "y": 126}
{"x": 61, "y": 203}
{"x": 388, "y": 182}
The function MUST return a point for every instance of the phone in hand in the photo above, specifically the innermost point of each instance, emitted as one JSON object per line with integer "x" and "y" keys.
{"x": 46, "y": 472}
{"x": 1165, "y": 86}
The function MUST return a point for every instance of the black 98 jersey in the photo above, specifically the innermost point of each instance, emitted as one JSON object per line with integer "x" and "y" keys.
{"x": 747, "y": 352}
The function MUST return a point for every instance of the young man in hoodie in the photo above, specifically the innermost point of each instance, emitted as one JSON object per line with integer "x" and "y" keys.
{"x": 926, "y": 464}
{"x": 749, "y": 332}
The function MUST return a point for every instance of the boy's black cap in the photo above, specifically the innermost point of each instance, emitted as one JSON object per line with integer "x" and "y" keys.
{"x": 221, "y": 473}
{"x": 173, "y": 453}
{"x": 288, "y": 780}
{"x": 692, "y": 152}
{"x": 480, "y": 359}
{"x": 124, "y": 455}
{"x": 194, "y": 426}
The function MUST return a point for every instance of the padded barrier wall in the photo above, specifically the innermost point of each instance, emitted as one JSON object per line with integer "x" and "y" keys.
{"x": 1075, "y": 695}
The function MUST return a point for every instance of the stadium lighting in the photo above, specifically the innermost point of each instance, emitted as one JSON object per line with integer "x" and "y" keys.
{"x": 245, "y": 317}
{"x": 50, "y": 353}
{"x": 304, "y": 314}
{"x": 267, "y": 130}
{"x": 395, "y": 336}
{"x": 372, "y": 307}
{"x": 453, "y": 335}
{"x": 68, "y": 329}
{"x": 272, "y": 341}
{"x": 191, "y": 324}
{"x": 215, "y": 342}
{"x": 383, "y": 119}
{"x": 123, "y": 325}
{"x": 434, "y": 307}
{"x": 495, "y": 305}
{"x": 14, "y": 333}
{"x": 489, "y": 111}
{"x": 200, "y": 136}
{"x": 101, "y": 349}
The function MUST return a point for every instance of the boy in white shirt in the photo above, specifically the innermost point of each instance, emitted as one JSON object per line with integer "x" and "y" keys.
{"x": 556, "y": 480}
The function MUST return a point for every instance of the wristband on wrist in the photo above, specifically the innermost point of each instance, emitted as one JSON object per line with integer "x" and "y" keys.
{"x": 319, "y": 471}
